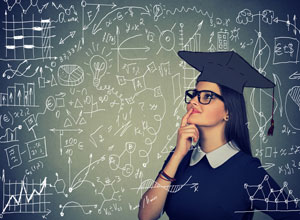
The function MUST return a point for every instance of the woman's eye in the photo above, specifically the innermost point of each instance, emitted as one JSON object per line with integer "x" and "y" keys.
{"x": 208, "y": 96}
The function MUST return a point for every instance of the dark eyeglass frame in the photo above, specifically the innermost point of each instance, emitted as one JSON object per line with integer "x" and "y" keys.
{"x": 198, "y": 93}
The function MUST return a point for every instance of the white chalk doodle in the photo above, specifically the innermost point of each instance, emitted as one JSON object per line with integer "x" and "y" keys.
{"x": 275, "y": 199}
{"x": 19, "y": 200}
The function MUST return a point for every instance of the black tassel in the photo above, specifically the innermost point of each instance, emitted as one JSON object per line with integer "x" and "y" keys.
{"x": 271, "y": 129}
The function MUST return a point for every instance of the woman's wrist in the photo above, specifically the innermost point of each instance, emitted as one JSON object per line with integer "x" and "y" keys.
{"x": 177, "y": 156}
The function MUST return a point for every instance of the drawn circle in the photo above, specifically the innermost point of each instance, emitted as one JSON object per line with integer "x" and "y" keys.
{"x": 50, "y": 103}
{"x": 130, "y": 147}
{"x": 53, "y": 64}
{"x": 292, "y": 107}
{"x": 151, "y": 131}
{"x": 114, "y": 161}
{"x": 142, "y": 153}
{"x": 5, "y": 120}
{"x": 286, "y": 201}
{"x": 83, "y": 3}
{"x": 57, "y": 114}
{"x": 127, "y": 170}
{"x": 167, "y": 40}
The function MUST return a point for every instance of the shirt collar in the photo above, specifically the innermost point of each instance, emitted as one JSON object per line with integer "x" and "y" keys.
{"x": 216, "y": 157}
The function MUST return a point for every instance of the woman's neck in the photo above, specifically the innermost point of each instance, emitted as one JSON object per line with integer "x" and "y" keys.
{"x": 211, "y": 139}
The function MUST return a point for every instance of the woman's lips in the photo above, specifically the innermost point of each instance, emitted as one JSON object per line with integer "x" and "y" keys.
{"x": 195, "y": 111}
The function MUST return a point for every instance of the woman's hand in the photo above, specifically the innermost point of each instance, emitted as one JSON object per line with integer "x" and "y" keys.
{"x": 186, "y": 133}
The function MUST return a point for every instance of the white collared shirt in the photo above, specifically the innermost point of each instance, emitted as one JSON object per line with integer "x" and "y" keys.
{"x": 216, "y": 157}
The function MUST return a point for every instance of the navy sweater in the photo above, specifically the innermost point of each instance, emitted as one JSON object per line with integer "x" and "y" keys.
{"x": 202, "y": 192}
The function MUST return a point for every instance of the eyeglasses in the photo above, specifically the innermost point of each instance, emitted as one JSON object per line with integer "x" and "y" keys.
{"x": 204, "y": 96}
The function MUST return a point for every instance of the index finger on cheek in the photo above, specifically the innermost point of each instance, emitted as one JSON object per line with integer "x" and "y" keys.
{"x": 185, "y": 117}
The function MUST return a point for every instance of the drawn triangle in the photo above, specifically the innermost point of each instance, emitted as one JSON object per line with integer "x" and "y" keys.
{"x": 78, "y": 104}
{"x": 53, "y": 81}
{"x": 68, "y": 123}
{"x": 165, "y": 150}
{"x": 82, "y": 121}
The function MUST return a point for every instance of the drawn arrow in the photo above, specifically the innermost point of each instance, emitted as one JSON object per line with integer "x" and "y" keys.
{"x": 69, "y": 162}
{"x": 48, "y": 211}
{"x": 267, "y": 166}
{"x": 97, "y": 27}
{"x": 72, "y": 33}
{"x": 75, "y": 130}
{"x": 97, "y": 11}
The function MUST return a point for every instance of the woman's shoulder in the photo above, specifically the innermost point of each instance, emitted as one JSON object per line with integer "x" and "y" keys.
{"x": 251, "y": 168}
{"x": 247, "y": 161}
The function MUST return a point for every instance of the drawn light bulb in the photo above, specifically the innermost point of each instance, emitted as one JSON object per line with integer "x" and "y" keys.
{"x": 98, "y": 66}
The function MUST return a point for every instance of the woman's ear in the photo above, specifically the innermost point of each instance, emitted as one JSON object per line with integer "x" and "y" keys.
{"x": 226, "y": 118}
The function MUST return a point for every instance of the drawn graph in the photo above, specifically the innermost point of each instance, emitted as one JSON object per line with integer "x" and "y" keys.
{"x": 10, "y": 135}
{"x": 24, "y": 197}
{"x": 274, "y": 200}
{"x": 195, "y": 41}
{"x": 27, "y": 39}
{"x": 19, "y": 95}
{"x": 171, "y": 188}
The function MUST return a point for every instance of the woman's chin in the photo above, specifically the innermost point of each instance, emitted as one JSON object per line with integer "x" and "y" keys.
{"x": 193, "y": 121}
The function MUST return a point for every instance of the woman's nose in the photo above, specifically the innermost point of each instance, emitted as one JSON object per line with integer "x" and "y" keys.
{"x": 194, "y": 101}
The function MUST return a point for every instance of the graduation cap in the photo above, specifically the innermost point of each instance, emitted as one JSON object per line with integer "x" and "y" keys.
{"x": 228, "y": 69}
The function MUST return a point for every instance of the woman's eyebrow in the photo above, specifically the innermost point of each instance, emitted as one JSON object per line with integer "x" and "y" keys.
{"x": 204, "y": 90}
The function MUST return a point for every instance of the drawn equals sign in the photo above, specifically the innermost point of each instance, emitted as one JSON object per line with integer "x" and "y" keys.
{"x": 295, "y": 75}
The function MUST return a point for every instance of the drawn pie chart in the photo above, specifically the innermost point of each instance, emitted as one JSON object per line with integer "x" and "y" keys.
{"x": 292, "y": 107}
{"x": 70, "y": 75}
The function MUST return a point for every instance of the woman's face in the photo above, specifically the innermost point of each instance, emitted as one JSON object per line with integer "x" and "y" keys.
{"x": 210, "y": 115}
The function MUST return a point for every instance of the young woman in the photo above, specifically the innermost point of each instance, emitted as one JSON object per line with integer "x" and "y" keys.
{"x": 220, "y": 165}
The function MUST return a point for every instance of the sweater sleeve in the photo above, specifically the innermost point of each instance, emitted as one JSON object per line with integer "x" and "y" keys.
{"x": 267, "y": 196}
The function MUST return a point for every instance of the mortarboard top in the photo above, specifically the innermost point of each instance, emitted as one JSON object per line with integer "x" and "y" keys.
{"x": 225, "y": 68}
